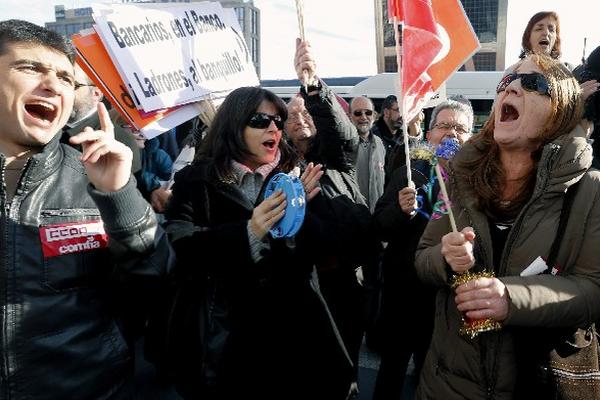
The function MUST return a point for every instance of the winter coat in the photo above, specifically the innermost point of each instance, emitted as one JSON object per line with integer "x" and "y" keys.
{"x": 376, "y": 169}
{"x": 401, "y": 285}
{"x": 486, "y": 367}
{"x": 248, "y": 327}
{"x": 336, "y": 147}
{"x": 392, "y": 141}
{"x": 156, "y": 167}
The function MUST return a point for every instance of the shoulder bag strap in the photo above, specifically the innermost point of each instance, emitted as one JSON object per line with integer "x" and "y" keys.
{"x": 562, "y": 224}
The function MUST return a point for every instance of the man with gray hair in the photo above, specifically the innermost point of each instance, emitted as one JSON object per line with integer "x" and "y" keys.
{"x": 397, "y": 221}
{"x": 452, "y": 118}
{"x": 370, "y": 160}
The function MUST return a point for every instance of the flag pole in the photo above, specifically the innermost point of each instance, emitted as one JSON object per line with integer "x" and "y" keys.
{"x": 407, "y": 150}
{"x": 446, "y": 199}
{"x": 400, "y": 59}
{"x": 300, "y": 14}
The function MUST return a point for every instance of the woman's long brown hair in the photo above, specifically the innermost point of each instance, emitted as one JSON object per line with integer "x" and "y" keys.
{"x": 485, "y": 174}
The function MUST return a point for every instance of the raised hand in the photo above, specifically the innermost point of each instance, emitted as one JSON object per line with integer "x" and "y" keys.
{"x": 267, "y": 213}
{"x": 414, "y": 126}
{"x": 483, "y": 298}
{"x": 107, "y": 162}
{"x": 304, "y": 62}
{"x": 159, "y": 198}
{"x": 407, "y": 199}
{"x": 588, "y": 88}
{"x": 457, "y": 249}
{"x": 310, "y": 180}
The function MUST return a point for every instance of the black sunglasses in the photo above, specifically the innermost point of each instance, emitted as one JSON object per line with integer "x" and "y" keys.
{"x": 532, "y": 82}
{"x": 358, "y": 113}
{"x": 262, "y": 121}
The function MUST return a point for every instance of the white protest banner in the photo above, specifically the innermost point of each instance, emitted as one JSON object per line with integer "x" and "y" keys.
{"x": 179, "y": 54}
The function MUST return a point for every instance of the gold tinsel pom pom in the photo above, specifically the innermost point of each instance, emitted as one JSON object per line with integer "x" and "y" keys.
{"x": 422, "y": 151}
{"x": 472, "y": 328}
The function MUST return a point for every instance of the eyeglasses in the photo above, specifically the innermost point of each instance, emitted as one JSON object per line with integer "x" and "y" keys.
{"x": 446, "y": 126}
{"x": 532, "y": 82}
{"x": 78, "y": 85}
{"x": 262, "y": 121}
{"x": 358, "y": 113}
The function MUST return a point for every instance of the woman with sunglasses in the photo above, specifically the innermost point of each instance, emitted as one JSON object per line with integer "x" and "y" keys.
{"x": 249, "y": 319}
{"x": 507, "y": 188}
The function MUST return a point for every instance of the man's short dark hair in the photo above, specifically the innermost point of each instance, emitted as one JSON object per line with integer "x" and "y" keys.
{"x": 17, "y": 31}
{"x": 388, "y": 102}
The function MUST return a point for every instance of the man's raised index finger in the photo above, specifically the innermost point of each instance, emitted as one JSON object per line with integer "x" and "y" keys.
{"x": 105, "y": 122}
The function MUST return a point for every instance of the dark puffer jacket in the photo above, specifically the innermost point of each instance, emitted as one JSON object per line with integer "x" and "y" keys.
{"x": 486, "y": 367}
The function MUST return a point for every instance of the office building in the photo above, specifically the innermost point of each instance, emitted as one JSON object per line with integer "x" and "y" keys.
{"x": 488, "y": 18}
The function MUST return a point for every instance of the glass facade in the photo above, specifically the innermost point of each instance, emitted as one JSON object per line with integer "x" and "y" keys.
{"x": 255, "y": 22}
{"x": 254, "y": 50}
{"x": 487, "y": 23}
{"x": 239, "y": 11}
{"x": 483, "y": 15}
{"x": 485, "y": 61}
{"x": 69, "y": 29}
{"x": 388, "y": 29}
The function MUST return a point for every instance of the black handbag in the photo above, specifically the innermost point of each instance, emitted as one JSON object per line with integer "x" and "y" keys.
{"x": 561, "y": 364}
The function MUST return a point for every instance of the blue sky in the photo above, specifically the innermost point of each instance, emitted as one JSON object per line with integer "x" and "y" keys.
{"x": 342, "y": 31}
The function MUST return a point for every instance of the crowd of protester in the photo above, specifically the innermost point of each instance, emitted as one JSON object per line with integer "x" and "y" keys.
{"x": 109, "y": 239}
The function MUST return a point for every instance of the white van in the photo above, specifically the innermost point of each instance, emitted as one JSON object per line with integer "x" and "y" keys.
{"x": 477, "y": 86}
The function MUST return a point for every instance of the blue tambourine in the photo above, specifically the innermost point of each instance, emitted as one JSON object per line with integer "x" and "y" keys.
{"x": 295, "y": 208}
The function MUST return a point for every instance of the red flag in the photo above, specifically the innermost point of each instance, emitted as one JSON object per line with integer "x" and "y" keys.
{"x": 437, "y": 38}
{"x": 394, "y": 9}
{"x": 460, "y": 41}
{"x": 421, "y": 44}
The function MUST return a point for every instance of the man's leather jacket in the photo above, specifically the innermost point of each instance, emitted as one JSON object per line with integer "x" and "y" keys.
{"x": 63, "y": 248}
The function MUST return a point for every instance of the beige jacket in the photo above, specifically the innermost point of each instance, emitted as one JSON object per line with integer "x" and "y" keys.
{"x": 460, "y": 368}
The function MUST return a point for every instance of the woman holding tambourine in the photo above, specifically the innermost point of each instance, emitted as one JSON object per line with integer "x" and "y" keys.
{"x": 249, "y": 317}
